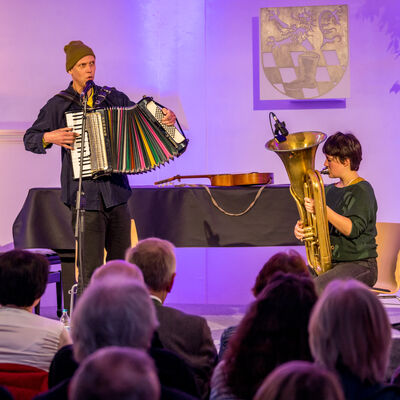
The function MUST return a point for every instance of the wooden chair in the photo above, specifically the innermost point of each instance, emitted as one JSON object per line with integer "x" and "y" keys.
{"x": 388, "y": 241}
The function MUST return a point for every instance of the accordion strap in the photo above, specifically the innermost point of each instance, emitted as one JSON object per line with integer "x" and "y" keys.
{"x": 102, "y": 94}
{"x": 74, "y": 98}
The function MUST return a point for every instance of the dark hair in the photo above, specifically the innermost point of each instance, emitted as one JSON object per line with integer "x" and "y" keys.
{"x": 342, "y": 146}
{"x": 272, "y": 332}
{"x": 291, "y": 262}
{"x": 23, "y": 277}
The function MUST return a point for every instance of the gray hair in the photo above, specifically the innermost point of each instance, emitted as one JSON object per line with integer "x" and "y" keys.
{"x": 349, "y": 327}
{"x": 116, "y": 312}
{"x": 118, "y": 267}
{"x": 156, "y": 258}
{"x": 117, "y": 373}
{"x": 300, "y": 380}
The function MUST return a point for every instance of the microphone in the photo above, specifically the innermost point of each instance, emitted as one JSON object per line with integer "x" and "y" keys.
{"x": 280, "y": 132}
{"x": 280, "y": 126}
{"x": 88, "y": 86}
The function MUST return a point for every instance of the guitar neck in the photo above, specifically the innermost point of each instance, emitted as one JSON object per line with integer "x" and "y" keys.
{"x": 179, "y": 177}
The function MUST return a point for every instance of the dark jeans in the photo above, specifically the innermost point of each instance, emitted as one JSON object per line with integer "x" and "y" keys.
{"x": 365, "y": 271}
{"x": 106, "y": 229}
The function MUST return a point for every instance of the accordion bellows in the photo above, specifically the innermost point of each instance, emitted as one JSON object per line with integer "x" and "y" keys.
{"x": 129, "y": 140}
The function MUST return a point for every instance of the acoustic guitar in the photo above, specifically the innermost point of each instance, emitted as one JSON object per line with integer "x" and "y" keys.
{"x": 252, "y": 178}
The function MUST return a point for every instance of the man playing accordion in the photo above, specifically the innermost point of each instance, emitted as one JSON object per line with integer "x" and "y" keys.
{"x": 106, "y": 218}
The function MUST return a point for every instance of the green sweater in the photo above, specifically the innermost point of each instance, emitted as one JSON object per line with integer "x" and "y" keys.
{"x": 358, "y": 203}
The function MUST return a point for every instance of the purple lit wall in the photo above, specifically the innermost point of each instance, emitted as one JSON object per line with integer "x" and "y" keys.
{"x": 196, "y": 57}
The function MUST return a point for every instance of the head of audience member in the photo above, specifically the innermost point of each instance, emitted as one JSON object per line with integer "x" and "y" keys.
{"x": 350, "y": 331}
{"x": 290, "y": 262}
{"x": 272, "y": 332}
{"x": 117, "y": 268}
{"x": 113, "y": 312}
{"x": 156, "y": 259}
{"x": 23, "y": 278}
{"x": 300, "y": 380}
{"x": 117, "y": 373}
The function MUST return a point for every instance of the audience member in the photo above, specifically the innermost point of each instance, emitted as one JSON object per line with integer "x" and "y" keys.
{"x": 117, "y": 373}
{"x": 290, "y": 262}
{"x": 300, "y": 380}
{"x": 118, "y": 312}
{"x": 272, "y": 332}
{"x": 126, "y": 269}
{"x": 26, "y": 338}
{"x": 119, "y": 267}
{"x": 62, "y": 367}
{"x": 187, "y": 335}
{"x": 350, "y": 334}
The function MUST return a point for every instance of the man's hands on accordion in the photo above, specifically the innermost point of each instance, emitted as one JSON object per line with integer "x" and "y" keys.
{"x": 169, "y": 117}
{"x": 63, "y": 137}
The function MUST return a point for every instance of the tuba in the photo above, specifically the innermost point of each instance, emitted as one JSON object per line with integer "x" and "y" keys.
{"x": 298, "y": 155}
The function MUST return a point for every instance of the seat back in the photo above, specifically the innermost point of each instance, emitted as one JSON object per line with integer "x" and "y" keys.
{"x": 388, "y": 241}
{"x": 23, "y": 381}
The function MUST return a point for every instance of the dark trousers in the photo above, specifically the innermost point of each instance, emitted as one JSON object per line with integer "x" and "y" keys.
{"x": 106, "y": 229}
{"x": 365, "y": 271}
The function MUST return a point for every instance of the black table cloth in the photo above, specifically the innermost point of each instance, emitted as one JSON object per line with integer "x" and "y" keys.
{"x": 183, "y": 215}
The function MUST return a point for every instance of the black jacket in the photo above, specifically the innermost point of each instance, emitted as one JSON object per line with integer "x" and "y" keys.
{"x": 114, "y": 189}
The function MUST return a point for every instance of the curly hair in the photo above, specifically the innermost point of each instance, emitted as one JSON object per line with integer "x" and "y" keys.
{"x": 273, "y": 331}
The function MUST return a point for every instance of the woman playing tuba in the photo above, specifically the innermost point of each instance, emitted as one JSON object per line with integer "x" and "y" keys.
{"x": 351, "y": 212}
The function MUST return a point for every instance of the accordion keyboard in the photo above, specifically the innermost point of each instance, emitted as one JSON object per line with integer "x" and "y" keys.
{"x": 74, "y": 121}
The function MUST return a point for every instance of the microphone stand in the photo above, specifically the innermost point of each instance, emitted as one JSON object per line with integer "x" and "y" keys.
{"x": 80, "y": 213}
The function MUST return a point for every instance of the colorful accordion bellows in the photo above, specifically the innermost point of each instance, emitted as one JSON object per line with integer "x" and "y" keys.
{"x": 128, "y": 140}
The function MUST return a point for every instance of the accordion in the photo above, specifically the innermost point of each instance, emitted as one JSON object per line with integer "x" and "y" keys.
{"x": 129, "y": 140}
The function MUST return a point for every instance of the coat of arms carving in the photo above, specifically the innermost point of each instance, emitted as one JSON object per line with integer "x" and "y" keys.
{"x": 304, "y": 50}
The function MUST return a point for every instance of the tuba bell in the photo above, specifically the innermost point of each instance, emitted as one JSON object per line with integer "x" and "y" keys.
{"x": 297, "y": 152}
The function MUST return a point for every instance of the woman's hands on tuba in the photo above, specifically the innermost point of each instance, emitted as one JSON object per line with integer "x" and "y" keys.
{"x": 299, "y": 227}
{"x": 309, "y": 205}
{"x": 298, "y": 230}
